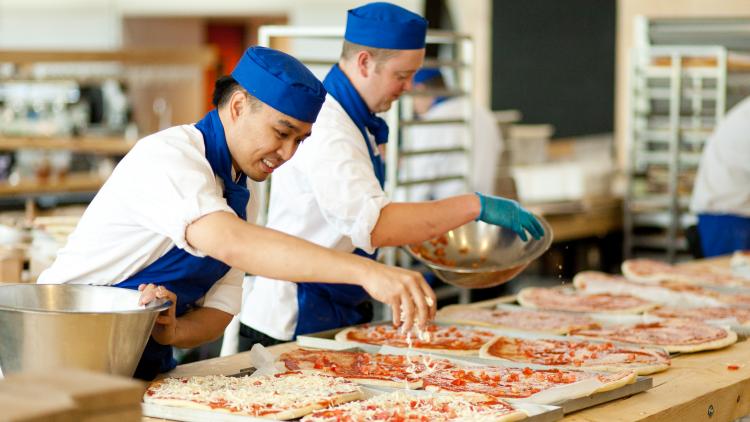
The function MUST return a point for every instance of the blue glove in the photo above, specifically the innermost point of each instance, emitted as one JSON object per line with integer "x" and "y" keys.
{"x": 507, "y": 213}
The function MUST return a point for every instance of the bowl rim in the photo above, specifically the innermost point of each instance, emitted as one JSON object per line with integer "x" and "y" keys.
{"x": 546, "y": 243}
{"x": 158, "y": 305}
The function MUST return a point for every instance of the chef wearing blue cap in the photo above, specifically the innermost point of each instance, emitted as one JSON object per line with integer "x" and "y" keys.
{"x": 171, "y": 221}
{"x": 331, "y": 193}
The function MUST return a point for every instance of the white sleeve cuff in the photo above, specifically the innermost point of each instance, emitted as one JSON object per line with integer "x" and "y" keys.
{"x": 226, "y": 294}
{"x": 365, "y": 222}
{"x": 191, "y": 215}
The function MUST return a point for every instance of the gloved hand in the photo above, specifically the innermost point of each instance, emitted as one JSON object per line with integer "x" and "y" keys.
{"x": 507, "y": 213}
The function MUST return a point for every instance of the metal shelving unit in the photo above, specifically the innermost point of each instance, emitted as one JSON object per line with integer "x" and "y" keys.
{"x": 680, "y": 92}
{"x": 456, "y": 58}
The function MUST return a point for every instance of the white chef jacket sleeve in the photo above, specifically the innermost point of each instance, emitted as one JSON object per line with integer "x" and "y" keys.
{"x": 226, "y": 294}
{"x": 345, "y": 187}
{"x": 168, "y": 198}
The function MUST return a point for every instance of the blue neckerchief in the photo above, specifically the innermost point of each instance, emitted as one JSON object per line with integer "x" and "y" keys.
{"x": 339, "y": 86}
{"x": 217, "y": 153}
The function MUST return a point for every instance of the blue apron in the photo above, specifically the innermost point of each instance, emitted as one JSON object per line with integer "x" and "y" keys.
{"x": 722, "y": 234}
{"x": 324, "y": 306}
{"x": 186, "y": 275}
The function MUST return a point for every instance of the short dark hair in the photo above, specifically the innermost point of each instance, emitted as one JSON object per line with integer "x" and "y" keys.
{"x": 225, "y": 86}
{"x": 380, "y": 55}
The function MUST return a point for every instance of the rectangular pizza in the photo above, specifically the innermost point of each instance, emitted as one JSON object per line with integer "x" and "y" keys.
{"x": 519, "y": 383}
{"x": 698, "y": 273}
{"x": 284, "y": 396}
{"x": 399, "y": 406}
{"x": 435, "y": 374}
{"x": 557, "y": 299}
{"x": 445, "y": 339}
{"x": 376, "y": 369}
{"x": 577, "y": 353}
{"x": 516, "y": 318}
{"x": 673, "y": 335}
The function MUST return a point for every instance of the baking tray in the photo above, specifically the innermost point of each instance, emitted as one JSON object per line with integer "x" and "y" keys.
{"x": 640, "y": 385}
{"x": 324, "y": 340}
{"x": 535, "y": 412}
{"x": 612, "y": 319}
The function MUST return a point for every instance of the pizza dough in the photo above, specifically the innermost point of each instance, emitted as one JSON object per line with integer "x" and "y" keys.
{"x": 557, "y": 299}
{"x": 443, "y": 339}
{"x": 399, "y": 406}
{"x": 281, "y": 397}
{"x": 577, "y": 354}
{"x": 519, "y": 319}
{"x": 671, "y": 335}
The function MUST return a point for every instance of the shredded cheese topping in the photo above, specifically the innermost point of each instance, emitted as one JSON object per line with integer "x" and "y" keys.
{"x": 401, "y": 406}
{"x": 254, "y": 396}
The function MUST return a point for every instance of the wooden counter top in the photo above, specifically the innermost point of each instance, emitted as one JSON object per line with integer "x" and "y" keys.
{"x": 696, "y": 385}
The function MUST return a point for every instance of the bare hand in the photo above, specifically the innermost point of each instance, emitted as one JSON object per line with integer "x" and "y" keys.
{"x": 407, "y": 293}
{"x": 165, "y": 329}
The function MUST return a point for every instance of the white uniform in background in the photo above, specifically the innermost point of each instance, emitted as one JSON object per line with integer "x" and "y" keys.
{"x": 188, "y": 190}
{"x": 309, "y": 200}
{"x": 488, "y": 144}
{"x": 722, "y": 185}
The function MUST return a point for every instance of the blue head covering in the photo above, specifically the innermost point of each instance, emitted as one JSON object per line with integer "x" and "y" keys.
{"x": 425, "y": 74}
{"x": 280, "y": 81}
{"x": 385, "y": 25}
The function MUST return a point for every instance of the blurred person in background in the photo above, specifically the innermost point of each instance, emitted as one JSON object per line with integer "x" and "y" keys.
{"x": 481, "y": 165}
{"x": 721, "y": 194}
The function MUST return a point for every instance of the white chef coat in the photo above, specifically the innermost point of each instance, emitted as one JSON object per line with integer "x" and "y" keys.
{"x": 484, "y": 159}
{"x": 722, "y": 185}
{"x": 327, "y": 194}
{"x": 161, "y": 186}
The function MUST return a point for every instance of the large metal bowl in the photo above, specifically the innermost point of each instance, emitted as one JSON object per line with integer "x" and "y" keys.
{"x": 479, "y": 255}
{"x": 50, "y": 326}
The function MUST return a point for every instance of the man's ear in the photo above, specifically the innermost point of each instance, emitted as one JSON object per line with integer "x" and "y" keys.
{"x": 365, "y": 63}
{"x": 237, "y": 103}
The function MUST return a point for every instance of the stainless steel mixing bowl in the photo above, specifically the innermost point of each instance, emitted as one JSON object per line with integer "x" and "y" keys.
{"x": 50, "y": 326}
{"x": 478, "y": 255}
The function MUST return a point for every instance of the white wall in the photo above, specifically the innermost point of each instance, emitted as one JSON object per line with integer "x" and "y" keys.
{"x": 68, "y": 24}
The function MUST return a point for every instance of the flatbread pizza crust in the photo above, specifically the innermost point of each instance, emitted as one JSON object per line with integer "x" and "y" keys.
{"x": 453, "y": 315}
{"x": 730, "y": 339}
{"x": 400, "y": 406}
{"x": 639, "y": 369}
{"x": 299, "y": 360}
{"x": 526, "y": 299}
{"x": 631, "y": 271}
{"x": 721, "y": 343}
{"x": 294, "y": 412}
{"x": 343, "y": 336}
{"x": 694, "y": 314}
{"x": 281, "y": 416}
{"x": 628, "y": 378}
{"x": 372, "y": 382}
